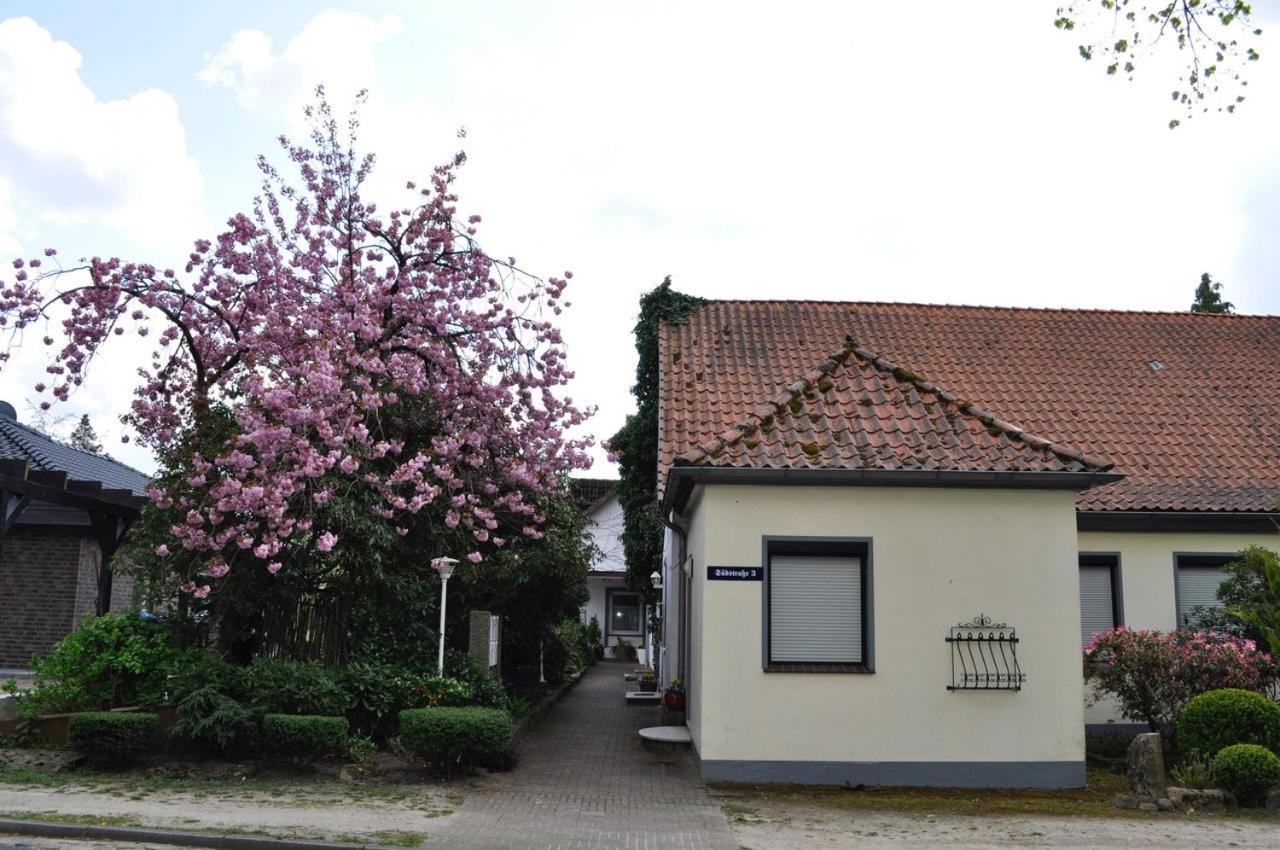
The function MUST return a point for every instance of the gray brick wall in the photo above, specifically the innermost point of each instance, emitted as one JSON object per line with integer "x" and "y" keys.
{"x": 48, "y": 585}
{"x": 39, "y": 571}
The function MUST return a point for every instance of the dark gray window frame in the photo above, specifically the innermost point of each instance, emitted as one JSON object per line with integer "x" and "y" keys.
{"x": 1225, "y": 557}
{"x": 609, "y": 593}
{"x": 855, "y": 547}
{"x": 1111, "y": 560}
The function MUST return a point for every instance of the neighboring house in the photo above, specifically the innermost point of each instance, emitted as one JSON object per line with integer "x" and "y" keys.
{"x": 881, "y": 505}
{"x": 620, "y": 611}
{"x": 66, "y": 512}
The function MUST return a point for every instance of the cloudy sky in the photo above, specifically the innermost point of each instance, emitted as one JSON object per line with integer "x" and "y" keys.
{"x": 954, "y": 153}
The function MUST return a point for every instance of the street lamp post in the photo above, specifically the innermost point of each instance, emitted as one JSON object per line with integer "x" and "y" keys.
{"x": 444, "y": 566}
{"x": 655, "y": 659}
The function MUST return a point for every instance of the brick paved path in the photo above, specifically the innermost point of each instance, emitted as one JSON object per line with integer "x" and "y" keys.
{"x": 585, "y": 782}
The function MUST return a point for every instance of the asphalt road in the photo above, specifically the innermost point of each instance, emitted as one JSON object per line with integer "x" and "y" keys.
{"x": 17, "y": 842}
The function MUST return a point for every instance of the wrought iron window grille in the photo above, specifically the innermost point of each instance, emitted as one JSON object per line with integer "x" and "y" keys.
{"x": 984, "y": 656}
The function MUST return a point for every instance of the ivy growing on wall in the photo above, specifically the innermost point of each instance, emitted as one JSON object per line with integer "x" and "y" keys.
{"x": 636, "y": 444}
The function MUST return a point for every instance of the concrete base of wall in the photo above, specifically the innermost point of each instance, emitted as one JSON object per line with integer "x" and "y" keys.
{"x": 978, "y": 774}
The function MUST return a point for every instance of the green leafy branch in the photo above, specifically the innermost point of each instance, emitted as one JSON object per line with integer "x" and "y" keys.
{"x": 1218, "y": 35}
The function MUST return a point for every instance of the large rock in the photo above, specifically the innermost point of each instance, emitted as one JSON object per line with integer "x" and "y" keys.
{"x": 1146, "y": 766}
{"x": 1273, "y": 799}
{"x": 1200, "y": 800}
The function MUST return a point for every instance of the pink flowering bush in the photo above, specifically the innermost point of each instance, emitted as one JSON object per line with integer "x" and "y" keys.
{"x": 341, "y": 348}
{"x": 1153, "y": 674}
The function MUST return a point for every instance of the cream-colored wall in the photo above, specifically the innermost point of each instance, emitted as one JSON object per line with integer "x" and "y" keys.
{"x": 695, "y": 704}
{"x": 939, "y": 557}
{"x": 1147, "y": 581}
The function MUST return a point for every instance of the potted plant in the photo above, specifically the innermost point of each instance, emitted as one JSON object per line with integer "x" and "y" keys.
{"x": 673, "y": 696}
{"x": 648, "y": 682}
{"x": 625, "y": 650}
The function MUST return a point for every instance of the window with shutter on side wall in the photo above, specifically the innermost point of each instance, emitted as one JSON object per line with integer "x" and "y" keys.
{"x": 1099, "y": 595}
{"x": 816, "y": 609}
{"x": 1198, "y": 577}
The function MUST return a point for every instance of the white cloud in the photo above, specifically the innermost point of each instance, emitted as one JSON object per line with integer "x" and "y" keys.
{"x": 88, "y": 176}
{"x": 335, "y": 49}
{"x": 837, "y": 151}
{"x": 72, "y": 159}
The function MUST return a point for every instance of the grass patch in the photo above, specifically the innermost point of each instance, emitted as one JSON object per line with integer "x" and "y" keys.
{"x": 400, "y": 838}
{"x": 752, "y": 801}
{"x": 1093, "y": 801}
{"x": 76, "y": 820}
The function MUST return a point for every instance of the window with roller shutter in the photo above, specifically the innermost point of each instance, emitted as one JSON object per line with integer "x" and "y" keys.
{"x": 1099, "y": 595}
{"x": 1197, "y": 578}
{"x": 816, "y": 607}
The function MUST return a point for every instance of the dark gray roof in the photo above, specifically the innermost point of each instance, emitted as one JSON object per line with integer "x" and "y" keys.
{"x": 588, "y": 491}
{"x": 18, "y": 442}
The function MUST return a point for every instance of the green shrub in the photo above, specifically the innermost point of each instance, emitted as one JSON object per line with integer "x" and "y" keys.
{"x": 593, "y": 637}
{"x": 211, "y": 721}
{"x": 302, "y": 736}
{"x": 557, "y": 656}
{"x": 574, "y": 633}
{"x": 113, "y": 737}
{"x": 1195, "y": 771}
{"x": 486, "y": 690}
{"x": 456, "y": 736}
{"x": 377, "y": 693}
{"x": 276, "y": 686}
{"x": 443, "y": 691}
{"x": 1246, "y": 770}
{"x": 361, "y": 748}
{"x": 111, "y": 661}
{"x": 1220, "y": 718}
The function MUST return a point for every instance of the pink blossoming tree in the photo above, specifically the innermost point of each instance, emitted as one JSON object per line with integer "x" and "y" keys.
{"x": 319, "y": 347}
{"x": 1153, "y": 674}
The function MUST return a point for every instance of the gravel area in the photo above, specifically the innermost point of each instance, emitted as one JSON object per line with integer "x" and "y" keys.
{"x": 804, "y": 828}
{"x": 309, "y": 812}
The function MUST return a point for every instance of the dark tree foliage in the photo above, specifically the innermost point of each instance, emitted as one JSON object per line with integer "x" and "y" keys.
{"x": 1249, "y": 600}
{"x": 533, "y": 588}
{"x": 1209, "y": 297}
{"x": 84, "y": 437}
{"x": 1215, "y": 38}
{"x": 636, "y": 443}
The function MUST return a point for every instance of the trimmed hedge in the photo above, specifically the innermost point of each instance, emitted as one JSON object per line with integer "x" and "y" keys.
{"x": 113, "y": 737}
{"x": 1227, "y": 716}
{"x": 1246, "y": 770}
{"x": 456, "y": 736}
{"x": 305, "y": 735}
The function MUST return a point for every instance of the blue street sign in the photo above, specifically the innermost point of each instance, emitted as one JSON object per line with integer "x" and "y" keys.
{"x": 735, "y": 573}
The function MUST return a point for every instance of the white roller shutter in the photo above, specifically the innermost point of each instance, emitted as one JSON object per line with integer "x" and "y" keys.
{"x": 1197, "y": 586}
{"x": 815, "y": 609}
{"x": 1097, "y": 604}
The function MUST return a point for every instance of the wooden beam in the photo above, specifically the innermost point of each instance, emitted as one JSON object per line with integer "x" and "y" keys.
{"x": 121, "y": 503}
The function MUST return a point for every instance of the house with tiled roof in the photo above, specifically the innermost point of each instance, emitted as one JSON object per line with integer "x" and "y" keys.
{"x": 619, "y": 611}
{"x": 66, "y": 513}
{"x": 892, "y": 526}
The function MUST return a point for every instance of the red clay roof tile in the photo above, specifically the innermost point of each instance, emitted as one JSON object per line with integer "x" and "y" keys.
{"x": 1186, "y": 406}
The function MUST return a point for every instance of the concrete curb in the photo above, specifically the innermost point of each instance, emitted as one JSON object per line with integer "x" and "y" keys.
{"x": 142, "y": 835}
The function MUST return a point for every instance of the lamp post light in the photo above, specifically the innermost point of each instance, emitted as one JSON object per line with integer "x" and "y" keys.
{"x": 655, "y": 578}
{"x": 444, "y": 566}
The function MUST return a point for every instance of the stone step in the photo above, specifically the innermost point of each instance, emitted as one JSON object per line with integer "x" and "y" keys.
{"x": 666, "y": 738}
{"x": 643, "y": 698}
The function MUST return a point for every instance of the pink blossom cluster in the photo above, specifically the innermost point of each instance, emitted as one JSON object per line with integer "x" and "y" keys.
{"x": 310, "y": 318}
{"x": 1153, "y": 674}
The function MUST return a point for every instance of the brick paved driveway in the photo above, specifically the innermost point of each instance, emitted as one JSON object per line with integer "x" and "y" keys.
{"x": 584, "y": 782}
